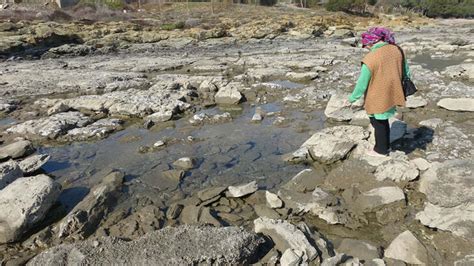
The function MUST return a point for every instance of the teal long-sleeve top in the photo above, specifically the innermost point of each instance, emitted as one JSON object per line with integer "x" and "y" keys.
{"x": 363, "y": 83}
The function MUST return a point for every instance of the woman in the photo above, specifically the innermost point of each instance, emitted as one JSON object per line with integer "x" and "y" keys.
{"x": 380, "y": 84}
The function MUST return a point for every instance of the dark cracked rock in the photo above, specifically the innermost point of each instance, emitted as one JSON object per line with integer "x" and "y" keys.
{"x": 184, "y": 245}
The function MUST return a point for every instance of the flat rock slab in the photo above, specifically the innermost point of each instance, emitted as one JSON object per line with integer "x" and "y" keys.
{"x": 397, "y": 170}
{"x": 407, "y": 248}
{"x": 33, "y": 163}
{"x": 24, "y": 203}
{"x": 415, "y": 102}
{"x": 378, "y": 197}
{"x": 243, "y": 190}
{"x": 459, "y": 104}
{"x": 184, "y": 245}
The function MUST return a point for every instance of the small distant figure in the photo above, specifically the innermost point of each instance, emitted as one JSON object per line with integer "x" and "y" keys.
{"x": 380, "y": 82}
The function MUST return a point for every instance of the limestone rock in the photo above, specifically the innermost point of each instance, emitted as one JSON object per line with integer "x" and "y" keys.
{"x": 229, "y": 94}
{"x": 16, "y": 150}
{"x": 243, "y": 190}
{"x": 431, "y": 123}
{"x": 33, "y": 163}
{"x": 160, "y": 116}
{"x": 336, "y": 110}
{"x": 58, "y": 108}
{"x": 415, "y": 102}
{"x": 82, "y": 221}
{"x": 332, "y": 144}
{"x": 421, "y": 164}
{"x": 407, "y": 248}
{"x": 184, "y": 163}
{"x": 183, "y": 245}
{"x": 459, "y": 104}
{"x": 397, "y": 170}
{"x": 273, "y": 201}
{"x": 291, "y": 257}
{"x": 305, "y": 181}
{"x": 378, "y": 197}
{"x": 9, "y": 172}
{"x": 98, "y": 129}
{"x": 285, "y": 236}
{"x": 145, "y": 220}
{"x": 24, "y": 203}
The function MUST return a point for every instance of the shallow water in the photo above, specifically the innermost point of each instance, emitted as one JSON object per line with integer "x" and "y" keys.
{"x": 229, "y": 153}
{"x": 434, "y": 63}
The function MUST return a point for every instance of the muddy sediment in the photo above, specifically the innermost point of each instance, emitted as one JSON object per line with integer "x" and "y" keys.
{"x": 228, "y": 131}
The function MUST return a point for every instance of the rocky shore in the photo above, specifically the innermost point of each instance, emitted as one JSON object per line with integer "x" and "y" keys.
{"x": 124, "y": 143}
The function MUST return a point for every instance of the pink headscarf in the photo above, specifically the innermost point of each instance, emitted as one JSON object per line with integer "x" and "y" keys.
{"x": 376, "y": 34}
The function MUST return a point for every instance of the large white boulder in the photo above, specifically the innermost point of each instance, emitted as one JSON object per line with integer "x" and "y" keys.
{"x": 407, "y": 248}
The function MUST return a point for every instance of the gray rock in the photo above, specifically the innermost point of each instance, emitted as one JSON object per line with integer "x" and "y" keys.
{"x": 265, "y": 211}
{"x": 98, "y": 129}
{"x": 407, "y": 248}
{"x": 16, "y": 150}
{"x": 33, "y": 163}
{"x": 242, "y": 190}
{"x": 462, "y": 71}
{"x": 415, "y": 102}
{"x": 182, "y": 245}
{"x": 333, "y": 144}
{"x": 210, "y": 193}
{"x": 24, "y": 203}
{"x": 421, "y": 164}
{"x": 305, "y": 181}
{"x": 459, "y": 104}
{"x": 82, "y": 221}
{"x": 58, "y": 108}
{"x": 431, "y": 123}
{"x": 285, "y": 236}
{"x": 359, "y": 249}
{"x": 336, "y": 110}
{"x": 466, "y": 261}
{"x": 229, "y": 94}
{"x": 9, "y": 172}
{"x": 174, "y": 211}
{"x": 145, "y": 220}
{"x": 305, "y": 76}
{"x": 160, "y": 116}
{"x": 53, "y": 126}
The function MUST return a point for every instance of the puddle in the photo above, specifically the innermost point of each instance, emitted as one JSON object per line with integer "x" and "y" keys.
{"x": 434, "y": 63}
{"x": 7, "y": 121}
{"x": 228, "y": 153}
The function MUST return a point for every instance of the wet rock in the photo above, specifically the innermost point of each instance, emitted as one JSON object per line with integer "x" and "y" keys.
{"x": 359, "y": 249}
{"x": 98, "y": 129}
{"x": 9, "y": 172}
{"x": 8, "y": 105}
{"x": 319, "y": 203}
{"x": 229, "y": 94}
{"x": 415, "y": 102}
{"x": 332, "y": 144}
{"x": 258, "y": 115}
{"x": 210, "y": 193}
{"x": 168, "y": 246}
{"x": 16, "y": 150}
{"x": 51, "y": 127}
{"x": 286, "y": 236}
{"x": 273, "y": 201}
{"x": 448, "y": 189}
{"x": 242, "y": 190}
{"x": 305, "y": 181}
{"x": 145, "y": 220}
{"x": 336, "y": 110}
{"x": 82, "y": 221}
{"x": 33, "y": 163}
{"x": 291, "y": 257}
{"x": 459, "y": 104}
{"x": 204, "y": 118}
{"x": 159, "y": 117}
{"x": 378, "y": 197}
{"x": 184, "y": 163}
{"x": 397, "y": 170}
{"x": 407, "y": 248}
{"x": 24, "y": 203}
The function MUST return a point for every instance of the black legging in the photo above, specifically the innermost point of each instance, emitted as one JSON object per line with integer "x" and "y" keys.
{"x": 382, "y": 135}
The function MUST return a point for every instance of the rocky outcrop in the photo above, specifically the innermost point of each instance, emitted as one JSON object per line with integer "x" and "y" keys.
{"x": 24, "y": 203}
{"x": 169, "y": 246}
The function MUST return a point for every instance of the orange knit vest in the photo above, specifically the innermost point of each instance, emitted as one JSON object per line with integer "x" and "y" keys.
{"x": 385, "y": 87}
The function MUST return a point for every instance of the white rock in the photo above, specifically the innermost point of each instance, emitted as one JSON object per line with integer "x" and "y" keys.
{"x": 160, "y": 116}
{"x": 286, "y": 235}
{"x": 229, "y": 94}
{"x": 336, "y": 110}
{"x": 24, "y": 203}
{"x": 421, "y": 164}
{"x": 459, "y": 104}
{"x": 33, "y": 163}
{"x": 184, "y": 163}
{"x": 397, "y": 170}
{"x": 273, "y": 201}
{"x": 379, "y": 196}
{"x": 9, "y": 172}
{"x": 16, "y": 150}
{"x": 159, "y": 143}
{"x": 415, "y": 102}
{"x": 291, "y": 257}
{"x": 407, "y": 248}
{"x": 243, "y": 190}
